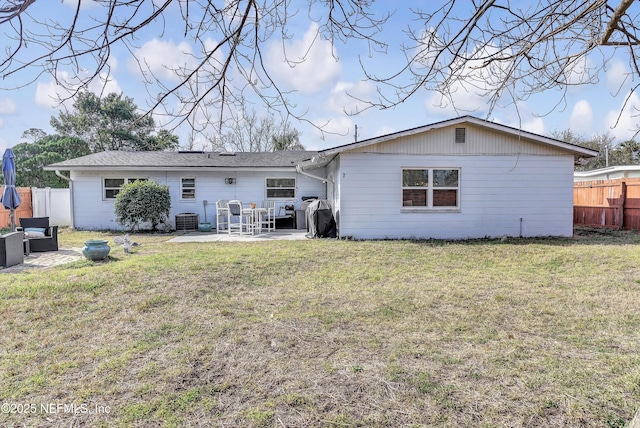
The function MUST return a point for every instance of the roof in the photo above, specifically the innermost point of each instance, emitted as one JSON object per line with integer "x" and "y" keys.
{"x": 180, "y": 160}
{"x": 571, "y": 148}
{"x": 607, "y": 170}
{"x": 166, "y": 161}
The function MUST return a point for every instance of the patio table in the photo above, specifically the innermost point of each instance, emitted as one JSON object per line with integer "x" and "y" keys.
{"x": 255, "y": 216}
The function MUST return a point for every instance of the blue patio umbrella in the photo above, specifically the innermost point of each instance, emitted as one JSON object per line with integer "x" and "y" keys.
{"x": 10, "y": 198}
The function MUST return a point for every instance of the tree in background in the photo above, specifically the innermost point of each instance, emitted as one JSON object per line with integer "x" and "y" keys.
{"x": 609, "y": 153}
{"x": 46, "y": 149}
{"x": 288, "y": 139}
{"x": 249, "y": 133}
{"x": 111, "y": 123}
{"x": 141, "y": 202}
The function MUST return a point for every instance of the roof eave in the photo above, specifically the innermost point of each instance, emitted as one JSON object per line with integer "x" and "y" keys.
{"x": 166, "y": 168}
{"x": 576, "y": 150}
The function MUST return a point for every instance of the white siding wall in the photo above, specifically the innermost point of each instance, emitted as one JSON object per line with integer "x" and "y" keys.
{"x": 496, "y": 192}
{"x": 92, "y": 212}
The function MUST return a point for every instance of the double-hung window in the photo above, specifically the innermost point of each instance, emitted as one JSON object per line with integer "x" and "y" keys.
{"x": 431, "y": 188}
{"x": 111, "y": 186}
{"x": 187, "y": 188}
{"x": 281, "y": 188}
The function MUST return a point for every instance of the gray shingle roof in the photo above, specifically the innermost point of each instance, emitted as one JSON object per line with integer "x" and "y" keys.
{"x": 180, "y": 160}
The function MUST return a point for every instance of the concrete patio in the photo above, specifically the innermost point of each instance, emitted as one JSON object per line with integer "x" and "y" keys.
{"x": 68, "y": 255}
{"x": 46, "y": 259}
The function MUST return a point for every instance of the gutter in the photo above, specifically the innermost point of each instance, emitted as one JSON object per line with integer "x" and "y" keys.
{"x": 70, "y": 181}
{"x": 316, "y": 177}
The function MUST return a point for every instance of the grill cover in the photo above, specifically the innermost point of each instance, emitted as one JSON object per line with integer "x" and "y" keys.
{"x": 320, "y": 220}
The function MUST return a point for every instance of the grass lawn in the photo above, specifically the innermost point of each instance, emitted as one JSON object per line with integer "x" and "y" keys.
{"x": 325, "y": 333}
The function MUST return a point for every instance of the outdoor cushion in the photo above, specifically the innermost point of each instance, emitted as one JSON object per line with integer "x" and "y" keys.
{"x": 34, "y": 232}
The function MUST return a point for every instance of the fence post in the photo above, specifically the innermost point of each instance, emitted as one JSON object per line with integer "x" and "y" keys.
{"x": 623, "y": 200}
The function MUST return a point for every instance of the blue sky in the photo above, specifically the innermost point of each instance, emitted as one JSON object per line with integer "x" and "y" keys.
{"x": 321, "y": 83}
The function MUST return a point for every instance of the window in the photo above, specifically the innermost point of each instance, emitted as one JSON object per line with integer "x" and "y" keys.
{"x": 188, "y": 188}
{"x": 281, "y": 188}
{"x": 431, "y": 188}
{"x": 111, "y": 186}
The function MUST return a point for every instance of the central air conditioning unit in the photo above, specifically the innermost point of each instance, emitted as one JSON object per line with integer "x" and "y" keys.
{"x": 187, "y": 221}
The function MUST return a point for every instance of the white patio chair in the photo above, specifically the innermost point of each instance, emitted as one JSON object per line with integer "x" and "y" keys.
{"x": 222, "y": 215}
{"x": 268, "y": 219}
{"x": 238, "y": 219}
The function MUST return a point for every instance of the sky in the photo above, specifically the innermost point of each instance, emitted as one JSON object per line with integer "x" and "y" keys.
{"x": 321, "y": 86}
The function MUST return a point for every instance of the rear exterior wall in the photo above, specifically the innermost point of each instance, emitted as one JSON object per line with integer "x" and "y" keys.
{"x": 93, "y": 212}
{"x": 514, "y": 195}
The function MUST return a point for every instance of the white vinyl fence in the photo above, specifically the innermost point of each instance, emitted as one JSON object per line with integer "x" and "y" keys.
{"x": 52, "y": 203}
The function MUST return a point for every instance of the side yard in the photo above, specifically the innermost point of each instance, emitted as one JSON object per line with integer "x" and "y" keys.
{"x": 539, "y": 333}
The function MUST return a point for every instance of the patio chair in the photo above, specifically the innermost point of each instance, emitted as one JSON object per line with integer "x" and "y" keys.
{"x": 42, "y": 237}
{"x": 237, "y": 219}
{"x": 11, "y": 249}
{"x": 268, "y": 219}
{"x": 222, "y": 215}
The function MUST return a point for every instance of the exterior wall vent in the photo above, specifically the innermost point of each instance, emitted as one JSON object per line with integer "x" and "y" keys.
{"x": 461, "y": 135}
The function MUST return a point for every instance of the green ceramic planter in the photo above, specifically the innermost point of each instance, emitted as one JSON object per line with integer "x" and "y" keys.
{"x": 96, "y": 249}
{"x": 204, "y": 227}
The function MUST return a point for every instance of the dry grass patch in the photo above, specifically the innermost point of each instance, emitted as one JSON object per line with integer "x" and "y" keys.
{"x": 537, "y": 333}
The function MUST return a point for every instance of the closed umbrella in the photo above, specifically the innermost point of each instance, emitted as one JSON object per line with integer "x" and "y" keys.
{"x": 10, "y": 198}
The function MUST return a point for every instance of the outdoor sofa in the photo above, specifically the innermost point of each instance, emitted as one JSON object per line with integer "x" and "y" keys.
{"x": 11, "y": 250}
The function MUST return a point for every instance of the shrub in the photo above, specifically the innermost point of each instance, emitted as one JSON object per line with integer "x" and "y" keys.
{"x": 142, "y": 201}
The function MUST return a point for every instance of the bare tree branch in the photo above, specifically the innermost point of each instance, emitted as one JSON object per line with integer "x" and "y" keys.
{"x": 501, "y": 50}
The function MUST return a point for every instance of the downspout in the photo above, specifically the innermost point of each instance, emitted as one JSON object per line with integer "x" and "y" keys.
{"x": 300, "y": 171}
{"x": 70, "y": 181}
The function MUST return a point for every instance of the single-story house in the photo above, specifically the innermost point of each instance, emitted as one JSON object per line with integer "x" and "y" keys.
{"x": 455, "y": 179}
{"x": 608, "y": 173}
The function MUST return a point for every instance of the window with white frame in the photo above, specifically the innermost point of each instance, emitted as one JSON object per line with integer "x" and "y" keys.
{"x": 280, "y": 188}
{"x": 111, "y": 186}
{"x": 187, "y": 188}
{"x": 431, "y": 188}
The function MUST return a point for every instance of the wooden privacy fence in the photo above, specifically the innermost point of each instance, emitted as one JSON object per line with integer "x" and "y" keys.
{"x": 24, "y": 210}
{"x": 607, "y": 203}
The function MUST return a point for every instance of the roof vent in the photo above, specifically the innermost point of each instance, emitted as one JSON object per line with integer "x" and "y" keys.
{"x": 190, "y": 151}
{"x": 227, "y": 154}
{"x": 461, "y": 135}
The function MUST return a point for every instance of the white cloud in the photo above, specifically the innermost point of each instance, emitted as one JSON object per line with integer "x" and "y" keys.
{"x": 7, "y": 106}
{"x": 535, "y": 125}
{"x": 310, "y": 63}
{"x": 579, "y": 72}
{"x": 385, "y": 130}
{"x": 623, "y": 123}
{"x": 617, "y": 74}
{"x": 337, "y": 131}
{"x": 472, "y": 87}
{"x": 581, "y": 117}
{"x": 86, "y": 4}
{"x": 522, "y": 118}
{"x": 49, "y": 94}
{"x": 345, "y": 97}
{"x": 162, "y": 59}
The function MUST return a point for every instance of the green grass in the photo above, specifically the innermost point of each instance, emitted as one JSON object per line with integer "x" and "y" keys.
{"x": 329, "y": 333}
